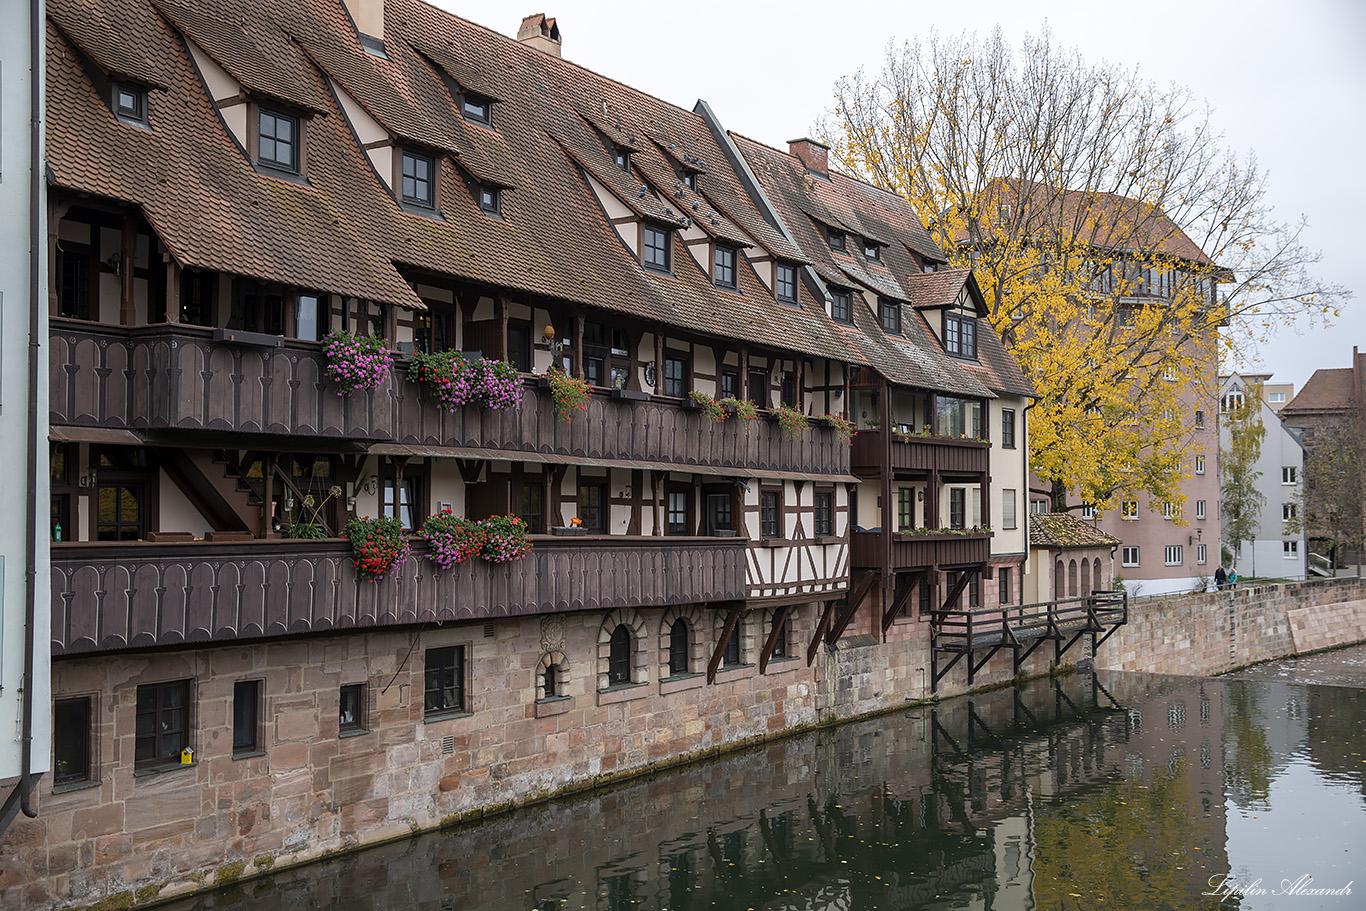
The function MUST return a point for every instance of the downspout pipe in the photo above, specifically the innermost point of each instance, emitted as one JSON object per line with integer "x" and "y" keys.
{"x": 37, "y": 31}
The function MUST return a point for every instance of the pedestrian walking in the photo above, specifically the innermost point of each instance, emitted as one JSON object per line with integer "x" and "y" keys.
{"x": 1220, "y": 578}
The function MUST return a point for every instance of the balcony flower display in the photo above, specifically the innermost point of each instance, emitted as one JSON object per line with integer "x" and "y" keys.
{"x": 792, "y": 421}
{"x": 457, "y": 382}
{"x": 569, "y": 393}
{"x": 506, "y": 539}
{"x": 843, "y": 427}
{"x": 744, "y": 408}
{"x": 453, "y": 539}
{"x": 356, "y": 362}
{"x": 380, "y": 546}
{"x": 712, "y": 410}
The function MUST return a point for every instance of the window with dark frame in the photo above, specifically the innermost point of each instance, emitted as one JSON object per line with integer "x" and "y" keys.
{"x": 730, "y": 384}
{"x": 785, "y": 283}
{"x": 130, "y": 102}
{"x": 780, "y": 641}
{"x": 690, "y": 179}
{"x": 731, "y": 655}
{"x": 872, "y": 251}
{"x": 593, "y": 506}
{"x": 841, "y": 307}
{"x": 490, "y": 199}
{"x": 770, "y": 516}
{"x": 549, "y": 683}
{"x": 162, "y": 725}
{"x": 823, "y": 516}
{"x": 619, "y": 657}
{"x": 418, "y": 183}
{"x": 787, "y": 388}
{"x": 622, "y": 158}
{"x": 723, "y": 271}
{"x": 960, "y": 335}
{"x": 71, "y": 730}
{"x": 444, "y": 681}
{"x": 905, "y": 509}
{"x": 406, "y": 509}
{"x": 73, "y": 280}
{"x": 1008, "y": 428}
{"x": 836, "y": 240}
{"x": 519, "y": 347}
{"x": 757, "y": 389}
{"x": 889, "y": 315}
{"x": 1003, "y": 585}
{"x": 476, "y": 109}
{"x": 120, "y": 511}
{"x": 533, "y": 507}
{"x": 719, "y": 513}
{"x": 351, "y": 705}
{"x": 654, "y": 248}
{"x": 246, "y": 716}
{"x": 679, "y": 518}
{"x": 198, "y": 295}
{"x": 277, "y": 140}
{"x": 676, "y": 377}
{"x": 678, "y": 648}
{"x": 958, "y": 499}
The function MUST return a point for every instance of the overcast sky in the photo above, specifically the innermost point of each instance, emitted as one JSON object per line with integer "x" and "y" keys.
{"x": 1286, "y": 81}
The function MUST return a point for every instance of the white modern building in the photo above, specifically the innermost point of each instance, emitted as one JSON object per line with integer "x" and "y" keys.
{"x": 1275, "y": 551}
{"x": 25, "y": 700}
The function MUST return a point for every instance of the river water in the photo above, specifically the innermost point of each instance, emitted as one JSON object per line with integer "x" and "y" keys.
{"x": 1106, "y": 791}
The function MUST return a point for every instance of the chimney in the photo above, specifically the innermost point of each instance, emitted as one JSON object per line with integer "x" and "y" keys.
{"x": 368, "y": 16}
{"x": 812, "y": 153}
{"x": 541, "y": 33}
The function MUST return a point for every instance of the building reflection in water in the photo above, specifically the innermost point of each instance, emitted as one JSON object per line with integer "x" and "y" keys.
{"x": 1083, "y": 791}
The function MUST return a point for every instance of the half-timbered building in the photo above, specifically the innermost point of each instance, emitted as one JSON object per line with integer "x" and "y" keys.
{"x": 231, "y": 184}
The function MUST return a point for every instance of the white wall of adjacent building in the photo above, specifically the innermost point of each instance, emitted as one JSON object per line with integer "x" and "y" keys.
{"x": 16, "y": 234}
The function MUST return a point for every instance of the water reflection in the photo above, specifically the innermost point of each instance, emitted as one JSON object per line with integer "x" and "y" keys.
{"x": 1085, "y": 792}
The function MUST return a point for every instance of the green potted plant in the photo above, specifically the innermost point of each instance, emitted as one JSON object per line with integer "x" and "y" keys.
{"x": 792, "y": 421}
{"x": 743, "y": 408}
{"x": 843, "y": 427}
{"x": 711, "y": 409}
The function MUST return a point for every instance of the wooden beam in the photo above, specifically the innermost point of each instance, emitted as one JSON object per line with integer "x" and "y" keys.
{"x": 855, "y": 602}
{"x": 962, "y": 582}
{"x": 890, "y": 615}
{"x": 779, "y": 618}
{"x": 720, "y": 650}
{"x": 128, "y": 256}
{"x": 821, "y": 627}
{"x": 578, "y": 344}
{"x": 658, "y": 486}
{"x": 172, "y": 290}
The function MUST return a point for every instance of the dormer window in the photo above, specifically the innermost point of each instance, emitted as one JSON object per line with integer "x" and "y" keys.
{"x": 724, "y": 269}
{"x": 836, "y": 240}
{"x": 476, "y": 109}
{"x": 690, "y": 180}
{"x": 654, "y": 248}
{"x": 889, "y": 315}
{"x": 871, "y": 252}
{"x": 490, "y": 199}
{"x": 130, "y": 103}
{"x": 785, "y": 283}
{"x": 419, "y": 182}
{"x": 622, "y": 157}
{"x": 277, "y": 140}
{"x": 960, "y": 335}
{"x": 841, "y": 307}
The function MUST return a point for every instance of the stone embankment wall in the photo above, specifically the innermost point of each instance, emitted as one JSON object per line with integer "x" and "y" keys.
{"x": 1217, "y": 632}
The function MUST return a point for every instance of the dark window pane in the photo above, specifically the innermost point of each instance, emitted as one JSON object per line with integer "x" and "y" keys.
{"x": 675, "y": 377}
{"x": 655, "y": 250}
{"x": 417, "y": 179}
{"x": 592, "y": 511}
{"x": 533, "y": 510}
{"x": 769, "y": 519}
{"x": 785, "y": 285}
{"x": 244, "y": 711}
{"x": 678, "y": 512}
{"x": 678, "y": 647}
{"x": 619, "y": 657}
{"x": 277, "y": 143}
{"x": 718, "y": 512}
{"x": 732, "y": 653}
{"x": 725, "y": 267}
{"x": 758, "y": 387}
{"x": 444, "y": 679}
{"x": 841, "y": 308}
{"x": 71, "y": 740}
{"x": 519, "y": 347}
{"x": 730, "y": 384}
{"x": 352, "y": 708}
{"x": 823, "y": 524}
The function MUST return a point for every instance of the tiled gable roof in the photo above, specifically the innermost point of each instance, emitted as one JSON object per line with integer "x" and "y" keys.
{"x": 86, "y": 26}
{"x": 1328, "y": 389}
{"x": 1061, "y": 530}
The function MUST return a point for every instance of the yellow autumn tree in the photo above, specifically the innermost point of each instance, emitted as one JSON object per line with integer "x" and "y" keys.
{"x": 1118, "y": 244}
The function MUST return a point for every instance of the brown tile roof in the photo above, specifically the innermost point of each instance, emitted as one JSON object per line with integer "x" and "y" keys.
{"x": 1066, "y": 531}
{"x": 1328, "y": 389}
{"x": 1103, "y": 220}
{"x": 86, "y": 26}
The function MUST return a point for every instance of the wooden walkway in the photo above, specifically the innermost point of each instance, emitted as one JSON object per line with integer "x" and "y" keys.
{"x": 1022, "y": 629}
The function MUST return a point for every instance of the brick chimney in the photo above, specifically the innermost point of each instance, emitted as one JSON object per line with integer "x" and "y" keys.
{"x": 368, "y": 16}
{"x": 812, "y": 153}
{"x": 541, "y": 33}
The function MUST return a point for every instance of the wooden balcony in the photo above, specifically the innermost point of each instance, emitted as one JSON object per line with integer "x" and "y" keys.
{"x": 919, "y": 551}
{"x": 107, "y": 597}
{"x": 943, "y": 454}
{"x": 178, "y": 378}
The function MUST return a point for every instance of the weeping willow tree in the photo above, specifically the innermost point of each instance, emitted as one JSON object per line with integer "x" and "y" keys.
{"x": 1119, "y": 245}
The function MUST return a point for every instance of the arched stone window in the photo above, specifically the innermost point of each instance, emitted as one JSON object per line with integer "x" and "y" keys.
{"x": 679, "y": 650}
{"x": 678, "y": 647}
{"x": 619, "y": 656}
{"x": 1086, "y": 577}
{"x": 1059, "y": 583}
{"x": 552, "y": 676}
{"x": 1096, "y": 577}
{"x": 1071, "y": 578}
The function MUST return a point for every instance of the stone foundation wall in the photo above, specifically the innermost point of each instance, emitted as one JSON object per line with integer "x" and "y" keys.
{"x": 1216, "y": 632}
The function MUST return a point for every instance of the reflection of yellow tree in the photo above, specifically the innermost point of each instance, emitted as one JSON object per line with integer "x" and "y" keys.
{"x": 1131, "y": 846}
{"x": 1247, "y": 770}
